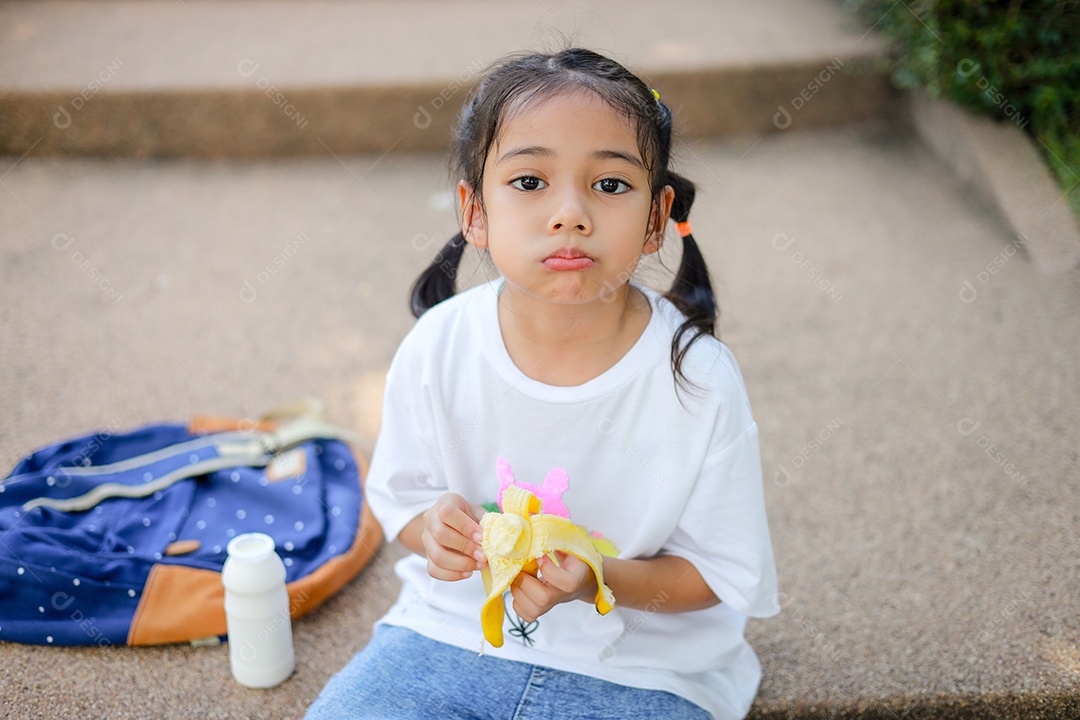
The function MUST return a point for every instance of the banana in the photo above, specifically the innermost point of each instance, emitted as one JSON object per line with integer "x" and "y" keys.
{"x": 515, "y": 538}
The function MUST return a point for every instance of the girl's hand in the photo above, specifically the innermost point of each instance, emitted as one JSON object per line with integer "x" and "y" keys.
{"x": 451, "y": 537}
{"x": 533, "y": 597}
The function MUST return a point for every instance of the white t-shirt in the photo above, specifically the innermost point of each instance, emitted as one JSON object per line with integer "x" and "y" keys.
{"x": 653, "y": 475}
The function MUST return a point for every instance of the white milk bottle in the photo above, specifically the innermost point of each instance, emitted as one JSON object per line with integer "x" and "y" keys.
{"x": 257, "y": 612}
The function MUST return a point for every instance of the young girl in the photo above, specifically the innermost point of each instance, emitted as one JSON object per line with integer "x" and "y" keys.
{"x": 563, "y": 363}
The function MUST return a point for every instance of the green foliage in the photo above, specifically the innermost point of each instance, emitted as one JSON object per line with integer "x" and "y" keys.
{"x": 1015, "y": 61}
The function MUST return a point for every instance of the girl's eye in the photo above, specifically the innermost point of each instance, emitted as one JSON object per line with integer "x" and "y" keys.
{"x": 527, "y": 183}
{"x": 611, "y": 186}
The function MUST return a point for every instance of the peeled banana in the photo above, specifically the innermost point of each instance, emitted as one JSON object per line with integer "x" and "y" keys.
{"x": 515, "y": 538}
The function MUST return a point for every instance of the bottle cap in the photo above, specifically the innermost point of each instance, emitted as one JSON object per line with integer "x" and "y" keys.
{"x": 250, "y": 547}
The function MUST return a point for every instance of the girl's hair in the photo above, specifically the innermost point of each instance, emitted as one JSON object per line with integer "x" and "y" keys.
{"x": 509, "y": 86}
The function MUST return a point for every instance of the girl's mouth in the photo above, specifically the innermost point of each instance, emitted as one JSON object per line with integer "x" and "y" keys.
{"x": 568, "y": 259}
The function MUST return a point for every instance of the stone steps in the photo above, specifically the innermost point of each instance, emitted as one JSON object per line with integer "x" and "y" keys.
{"x": 262, "y": 79}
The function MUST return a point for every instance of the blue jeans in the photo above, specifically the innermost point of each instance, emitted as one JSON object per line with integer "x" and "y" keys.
{"x": 404, "y": 675}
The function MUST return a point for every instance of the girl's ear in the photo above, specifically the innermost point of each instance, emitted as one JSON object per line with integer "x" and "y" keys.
{"x": 658, "y": 218}
{"x": 472, "y": 217}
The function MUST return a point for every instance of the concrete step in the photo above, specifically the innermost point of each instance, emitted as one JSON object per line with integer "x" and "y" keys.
{"x": 914, "y": 379}
{"x": 236, "y": 78}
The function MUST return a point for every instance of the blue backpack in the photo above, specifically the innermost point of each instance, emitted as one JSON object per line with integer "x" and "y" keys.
{"x": 120, "y": 538}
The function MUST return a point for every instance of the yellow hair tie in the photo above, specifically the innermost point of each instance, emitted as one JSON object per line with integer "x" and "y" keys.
{"x": 683, "y": 228}
{"x": 656, "y": 94}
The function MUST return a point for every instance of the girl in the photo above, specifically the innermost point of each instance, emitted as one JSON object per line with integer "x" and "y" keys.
{"x": 563, "y": 363}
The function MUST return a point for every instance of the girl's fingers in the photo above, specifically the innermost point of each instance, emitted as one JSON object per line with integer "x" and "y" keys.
{"x": 451, "y": 539}
{"x": 442, "y": 574}
{"x": 461, "y": 520}
{"x": 525, "y": 605}
{"x": 446, "y": 557}
{"x": 570, "y": 576}
{"x": 454, "y": 512}
{"x": 534, "y": 597}
{"x": 451, "y": 556}
{"x": 454, "y": 526}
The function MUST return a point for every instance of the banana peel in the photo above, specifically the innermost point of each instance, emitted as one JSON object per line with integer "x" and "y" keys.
{"x": 515, "y": 538}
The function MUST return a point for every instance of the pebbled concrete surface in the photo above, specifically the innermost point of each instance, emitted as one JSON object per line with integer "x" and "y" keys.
{"x": 913, "y": 375}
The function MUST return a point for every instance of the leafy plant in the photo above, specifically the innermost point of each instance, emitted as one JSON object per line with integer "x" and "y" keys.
{"x": 1016, "y": 61}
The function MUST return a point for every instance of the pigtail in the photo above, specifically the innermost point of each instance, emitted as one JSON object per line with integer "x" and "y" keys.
{"x": 473, "y": 135}
{"x": 691, "y": 290}
{"x": 436, "y": 283}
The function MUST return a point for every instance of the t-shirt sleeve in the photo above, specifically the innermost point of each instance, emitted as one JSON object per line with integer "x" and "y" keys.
{"x": 400, "y": 484}
{"x": 724, "y": 532}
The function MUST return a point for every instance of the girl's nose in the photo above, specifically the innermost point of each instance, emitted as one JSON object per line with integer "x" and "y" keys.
{"x": 570, "y": 214}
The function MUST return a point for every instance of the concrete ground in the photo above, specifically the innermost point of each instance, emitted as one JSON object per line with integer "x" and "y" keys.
{"x": 914, "y": 379}
{"x": 912, "y": 372}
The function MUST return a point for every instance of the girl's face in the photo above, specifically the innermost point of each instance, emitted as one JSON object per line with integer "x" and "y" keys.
{"x": 569, "y": 210}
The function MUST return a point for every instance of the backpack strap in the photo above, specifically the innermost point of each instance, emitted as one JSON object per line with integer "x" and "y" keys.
{"x": 233, "y": 449}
